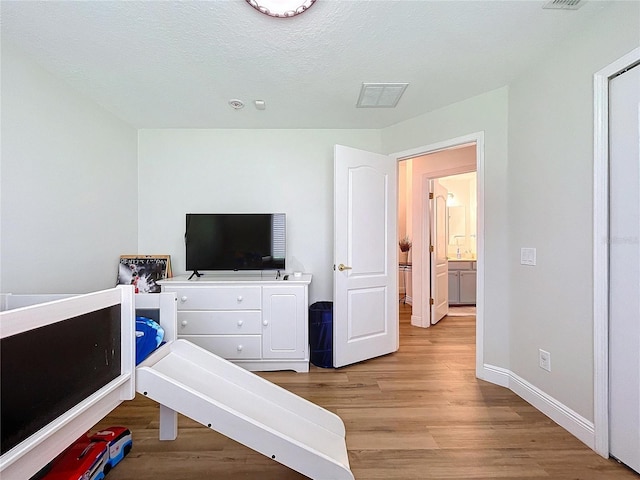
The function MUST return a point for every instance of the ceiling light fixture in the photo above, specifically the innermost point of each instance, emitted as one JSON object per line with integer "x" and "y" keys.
{"x": 281, "y": 8}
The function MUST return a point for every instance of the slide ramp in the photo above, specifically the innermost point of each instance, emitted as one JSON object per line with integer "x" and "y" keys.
{"x": 246, "y": 408}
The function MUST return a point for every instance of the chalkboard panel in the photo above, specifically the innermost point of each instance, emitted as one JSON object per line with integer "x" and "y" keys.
{"x": 48, "y": 370}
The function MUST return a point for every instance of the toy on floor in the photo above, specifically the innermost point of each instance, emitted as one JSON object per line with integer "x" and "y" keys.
{"x": 119, "y": 442}
{"x": 91, "y": 457}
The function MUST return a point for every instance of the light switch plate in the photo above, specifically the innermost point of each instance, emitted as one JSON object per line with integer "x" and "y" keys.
{"x": 528, "y": 256}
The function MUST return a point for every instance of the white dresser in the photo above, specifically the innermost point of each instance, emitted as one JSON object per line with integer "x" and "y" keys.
{"x": 256, "y": 321}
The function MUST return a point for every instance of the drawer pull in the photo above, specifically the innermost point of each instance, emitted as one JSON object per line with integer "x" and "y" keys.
{"x": 183, "y": 298}
{"x": 240, "y": 298}
{"x": 239, "y": 348}
{"x": 240, "y": 322}
{"x": 184, "y": 323}
{"x": 265, "y": 323}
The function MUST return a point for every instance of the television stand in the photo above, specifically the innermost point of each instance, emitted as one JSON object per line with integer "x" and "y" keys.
{"x": 256, "y": 322}
{"x": 196, "y": 273}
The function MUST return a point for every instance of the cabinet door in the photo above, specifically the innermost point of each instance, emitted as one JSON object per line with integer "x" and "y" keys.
{"x": 468, "y": 287}
{"x": 284, "y": 322}
{"x": 454, "y": 288}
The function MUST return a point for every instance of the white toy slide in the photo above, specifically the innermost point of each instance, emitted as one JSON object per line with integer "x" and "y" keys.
{"x": 180, "y": 376}
{"x": 246, "y": 408}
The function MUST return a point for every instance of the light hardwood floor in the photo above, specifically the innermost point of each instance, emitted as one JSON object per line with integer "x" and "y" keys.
{"x": 419, "y": 413}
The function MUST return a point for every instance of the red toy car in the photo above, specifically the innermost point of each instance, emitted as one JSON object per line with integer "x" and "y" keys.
{"x": 84, "y": 460}
{"x": 91, "y": 457}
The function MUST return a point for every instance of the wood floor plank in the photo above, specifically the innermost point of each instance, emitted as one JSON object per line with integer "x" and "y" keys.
{"x": 419, "y": 413}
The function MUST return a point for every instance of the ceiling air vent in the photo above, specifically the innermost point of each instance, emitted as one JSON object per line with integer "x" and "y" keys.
{"x": 564, "y": 4}
{"x": 380, "y": 95}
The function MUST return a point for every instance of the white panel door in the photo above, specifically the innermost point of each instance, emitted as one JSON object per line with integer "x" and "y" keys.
{"x": 624, "y": 282}
{"x": 439, "y": 262}
{"x": 365, "y": 311}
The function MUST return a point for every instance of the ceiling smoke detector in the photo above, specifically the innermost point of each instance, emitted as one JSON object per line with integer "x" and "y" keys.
{"x": 563, "y": 4}
{"x": 236, "y": 104}
{"x": 380, "y": 95}
{"x": 281, "y": 8}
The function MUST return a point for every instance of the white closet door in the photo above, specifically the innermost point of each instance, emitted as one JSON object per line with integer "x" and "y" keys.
{"x": 624, "y": 313}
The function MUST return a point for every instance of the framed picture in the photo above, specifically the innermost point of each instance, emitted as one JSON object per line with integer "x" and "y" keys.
{"x": 144, "y": 271}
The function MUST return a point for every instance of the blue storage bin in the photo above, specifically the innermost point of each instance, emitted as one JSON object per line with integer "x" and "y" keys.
{"x": 321, "y": 334}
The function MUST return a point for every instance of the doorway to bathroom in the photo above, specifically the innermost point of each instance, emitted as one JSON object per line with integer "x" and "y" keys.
{"x": 451, "y": 170}
{"x": 461, "y": 249}
{"x": 427, "y": 164}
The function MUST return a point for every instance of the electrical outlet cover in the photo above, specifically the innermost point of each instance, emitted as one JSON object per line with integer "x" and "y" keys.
{"x": 528, "y": 256}
{"x": 544, "y": 359}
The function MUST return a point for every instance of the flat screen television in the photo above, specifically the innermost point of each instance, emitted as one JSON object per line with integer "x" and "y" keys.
{"x": 235, "y": 241}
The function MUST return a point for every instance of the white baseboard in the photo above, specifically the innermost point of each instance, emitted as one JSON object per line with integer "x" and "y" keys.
{"x": 495, "y": 375}
{"x": 571, "y": 421}
{"x": 416, "y": 321}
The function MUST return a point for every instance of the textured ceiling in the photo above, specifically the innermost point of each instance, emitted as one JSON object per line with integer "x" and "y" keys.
{"x": 177, "y": 64}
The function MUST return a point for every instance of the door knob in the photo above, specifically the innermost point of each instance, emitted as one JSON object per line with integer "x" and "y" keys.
{"x": 342, "y": 267}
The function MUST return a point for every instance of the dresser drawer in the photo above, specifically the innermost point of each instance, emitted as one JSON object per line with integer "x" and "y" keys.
{"x": 218, "y": 298}
{"x": 230, "y": 322}
{"x": 232, "y": 347}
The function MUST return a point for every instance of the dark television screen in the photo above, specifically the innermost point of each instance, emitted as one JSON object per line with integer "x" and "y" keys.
{"x": 243, "y": 241}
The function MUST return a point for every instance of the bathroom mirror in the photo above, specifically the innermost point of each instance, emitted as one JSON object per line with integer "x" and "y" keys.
{"x": 457, "y": 225}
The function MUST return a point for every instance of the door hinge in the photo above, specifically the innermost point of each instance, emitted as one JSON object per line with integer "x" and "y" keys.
{"x": 430, "y": 195}
{"x": 431, "y": 302}
{"x": 431, "y": 248}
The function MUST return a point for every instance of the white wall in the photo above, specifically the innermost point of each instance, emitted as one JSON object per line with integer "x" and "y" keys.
{"x": 550, "y": 196}
{"x": 488, "y": 113}
{"x": 68, "y": 186}
{"x": 203, "y": 171}
{"x": 403, "y": 198}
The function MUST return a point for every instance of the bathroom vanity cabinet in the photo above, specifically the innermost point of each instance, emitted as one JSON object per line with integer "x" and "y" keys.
{"x": 462, "y": 282}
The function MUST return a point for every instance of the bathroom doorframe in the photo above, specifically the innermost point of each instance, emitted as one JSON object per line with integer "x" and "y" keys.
{"x": 476, "y": 138}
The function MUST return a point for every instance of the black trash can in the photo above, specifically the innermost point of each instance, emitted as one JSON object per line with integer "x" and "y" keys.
{"x": 321, "y": 334}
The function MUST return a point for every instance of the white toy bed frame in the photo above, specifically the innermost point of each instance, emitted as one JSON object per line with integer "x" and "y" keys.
{"x": 181, "y": 377}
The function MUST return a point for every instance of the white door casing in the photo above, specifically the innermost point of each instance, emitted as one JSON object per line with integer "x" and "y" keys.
{"x": 438, "y": 258}
{"x": 601, "y": 246}
{"x": 624, "y": 268}
{"x": 365, "y": 256}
